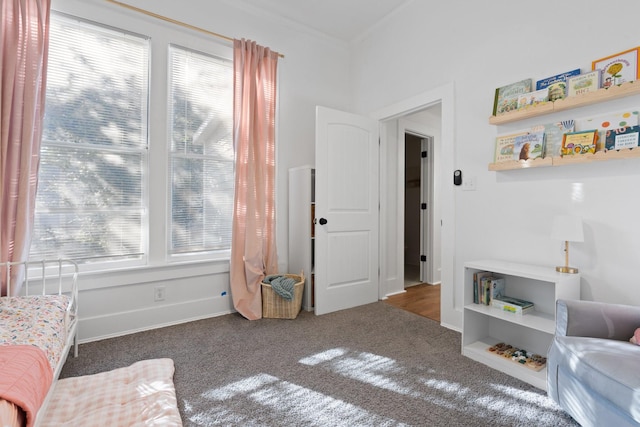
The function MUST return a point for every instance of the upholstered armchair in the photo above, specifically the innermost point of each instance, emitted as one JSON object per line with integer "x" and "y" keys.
{"x": 593, "y": 371}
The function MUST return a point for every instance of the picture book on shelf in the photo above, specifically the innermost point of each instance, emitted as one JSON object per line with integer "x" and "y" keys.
{"x": 578, "y": 143}
{"x": 533, "y": 98}
{"x": 618, "y": 68}
{"x": 608, "y": 121}
{"x": 546, "y": 82}
{"x": 584, "y": 83}
{"x": 512, "y": 305}
{"x": 504, "y": 147}
{"x": 557, "y": 90}
{"x": 528, "y": 146}
{"x": 553, "y": 134}
{"x": 487, "y": 287}
{"x": 506, "y": 97}
{"x": 477, "y": 284}
{"x": 626, "y": 137}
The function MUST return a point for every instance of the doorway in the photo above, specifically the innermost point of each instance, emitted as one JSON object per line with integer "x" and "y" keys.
{"x": 419, "y": 137}
{"x": 428, "y": 113}
{"x": 416, "y": 208}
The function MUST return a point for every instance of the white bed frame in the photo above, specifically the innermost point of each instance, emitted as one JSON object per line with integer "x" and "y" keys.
{"x": 51, "y": 277}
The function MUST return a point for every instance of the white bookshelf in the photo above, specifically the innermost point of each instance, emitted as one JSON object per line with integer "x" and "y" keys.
{"x": 301, "y": 228}
{"x": 484, "y": 326}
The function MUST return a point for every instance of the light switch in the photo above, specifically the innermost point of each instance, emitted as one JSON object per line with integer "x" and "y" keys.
{"x": 469, "y": 183}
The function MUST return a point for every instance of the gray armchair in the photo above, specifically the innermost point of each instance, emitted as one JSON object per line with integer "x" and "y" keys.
{"x": 593, "y": 371}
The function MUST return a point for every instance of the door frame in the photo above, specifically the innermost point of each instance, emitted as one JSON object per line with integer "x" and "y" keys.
{"x": 391, "y": 280}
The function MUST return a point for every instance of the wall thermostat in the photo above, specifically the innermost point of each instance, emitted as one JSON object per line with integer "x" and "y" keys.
{"x": 457, "y": 177}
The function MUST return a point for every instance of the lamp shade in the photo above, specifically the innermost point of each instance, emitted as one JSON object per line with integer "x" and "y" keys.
{"x": 567, "y": 228}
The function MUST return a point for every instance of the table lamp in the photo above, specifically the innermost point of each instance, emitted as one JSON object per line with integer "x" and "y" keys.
{"x": 569, "y": 229}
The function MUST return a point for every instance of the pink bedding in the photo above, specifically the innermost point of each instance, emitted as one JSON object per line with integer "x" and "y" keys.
{"x": 39, "y": 320}
{"x": 142, "y": 394}
{"x": 25, "y": 377}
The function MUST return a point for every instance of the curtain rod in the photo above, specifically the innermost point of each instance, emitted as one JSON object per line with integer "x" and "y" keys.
{"x": 173, "y": 21}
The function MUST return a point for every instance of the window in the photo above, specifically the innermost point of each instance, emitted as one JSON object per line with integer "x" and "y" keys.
{"x": 91, "y": 200}
{"x": 201, "y": 152}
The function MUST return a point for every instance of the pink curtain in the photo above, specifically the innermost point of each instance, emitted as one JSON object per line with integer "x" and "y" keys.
{"x": 24, "y": 41}
{"x": 253, "y": 247}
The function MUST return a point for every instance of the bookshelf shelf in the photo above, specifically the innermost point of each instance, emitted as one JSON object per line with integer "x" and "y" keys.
{"x": 484, "y": 326}
{"x": 601, "y": 95}
{"x": 599, "y": 156}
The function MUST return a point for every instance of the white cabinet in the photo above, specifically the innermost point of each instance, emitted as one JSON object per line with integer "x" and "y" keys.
{"x": 484, "y": 326}
{"x": 301, "y": 228}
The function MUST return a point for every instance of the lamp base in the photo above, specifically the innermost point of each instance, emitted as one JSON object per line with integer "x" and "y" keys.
{"x": 566, "y": 269}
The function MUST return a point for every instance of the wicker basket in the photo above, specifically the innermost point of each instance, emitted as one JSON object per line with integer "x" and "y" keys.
{"x": 276, "y": 307}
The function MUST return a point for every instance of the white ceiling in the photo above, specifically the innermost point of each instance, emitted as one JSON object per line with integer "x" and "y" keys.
{"x": 344, "y": 20}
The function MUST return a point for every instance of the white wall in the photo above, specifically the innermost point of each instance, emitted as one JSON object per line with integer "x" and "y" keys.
{"x": 314, "y": 71}
{"x": 483, "y": 45}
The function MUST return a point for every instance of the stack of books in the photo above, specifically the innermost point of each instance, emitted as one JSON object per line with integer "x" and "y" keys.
{"x": 486, "y": 287}
{"x": 512, "y": 305}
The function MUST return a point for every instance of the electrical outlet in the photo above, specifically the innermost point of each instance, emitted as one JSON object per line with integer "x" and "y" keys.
{"x": 159, "y": 293}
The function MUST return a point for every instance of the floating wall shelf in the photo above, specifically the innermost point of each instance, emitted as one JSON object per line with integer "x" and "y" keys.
{"x": 601, "y": 95}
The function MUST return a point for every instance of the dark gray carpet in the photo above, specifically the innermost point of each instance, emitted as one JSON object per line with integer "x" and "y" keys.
{"x": 374, "y": 365}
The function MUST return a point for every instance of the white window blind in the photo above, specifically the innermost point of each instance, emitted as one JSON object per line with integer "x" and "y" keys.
{"x": 201, "y": 152}
{"x": 91, "y": 189}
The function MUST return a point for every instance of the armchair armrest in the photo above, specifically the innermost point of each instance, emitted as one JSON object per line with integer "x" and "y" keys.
{"x": 596, "y": 319}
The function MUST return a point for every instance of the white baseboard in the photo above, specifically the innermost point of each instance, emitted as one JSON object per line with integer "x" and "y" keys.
{"x": 129, "y": 322}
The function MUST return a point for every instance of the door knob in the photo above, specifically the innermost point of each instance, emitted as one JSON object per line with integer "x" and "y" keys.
{"x": 323, "y": 221}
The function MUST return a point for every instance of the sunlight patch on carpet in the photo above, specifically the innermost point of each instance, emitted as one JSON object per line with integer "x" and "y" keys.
{"x": 435, "y": 388}
{"x": 288, "y": 402}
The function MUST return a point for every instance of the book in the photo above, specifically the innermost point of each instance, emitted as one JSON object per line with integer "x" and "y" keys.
{"x": 608, "y": 121}
{"x": 578, "y": 143}
{"x": 504, "y": 147}
{"x": 618, "y": 68}
{"x": 626, "y": 137}
{"x": 584, "y": 83}
{"x": 512, "y": 305}
{"x": 478, "y": 291}
{"x": 506, "y": 97}
{"x": 557, "y": 90}
{"x": 528, "y": 146}
{"x": 530, "y": 99}
{"x": 553, "y": 134}
{"x": 546, "y": 82}
{"x": 496, "y": 288}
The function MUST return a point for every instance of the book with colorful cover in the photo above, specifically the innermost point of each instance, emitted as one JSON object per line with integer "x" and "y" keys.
{"x": 608, "y": 121}
{"x": 530, "y": 99}
{"x": 528, "y": 146}
{"x": 557, "y": 90}
{"x": 584, "y": 83}
{"x": 477, "y": 284}
{"x": 578, "y": 143}
{"x": 506, "y": 97}
{"x": 508, "y": 304}
{"x": 496, "y": 289}
{"x": 504, "y": 147}
{"x": 553, "y": 134}
{"x": 627, "y": 137}
{"x": 512, "y": 305}
{"x": 546, "y": 82}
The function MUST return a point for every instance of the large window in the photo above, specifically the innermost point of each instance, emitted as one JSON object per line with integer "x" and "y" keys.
{"x": 201, "y": 152}
{"x": 105, "y": 180}
{"x": 91, "y": 199}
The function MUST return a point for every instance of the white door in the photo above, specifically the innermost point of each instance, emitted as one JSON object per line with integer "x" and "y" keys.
{"x": 346, "y": 210}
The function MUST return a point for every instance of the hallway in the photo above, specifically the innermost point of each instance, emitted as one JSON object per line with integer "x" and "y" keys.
{"x": 422, "y": 299}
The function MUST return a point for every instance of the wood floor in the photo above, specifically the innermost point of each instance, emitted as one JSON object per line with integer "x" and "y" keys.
{"x": 422, "y": 299}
